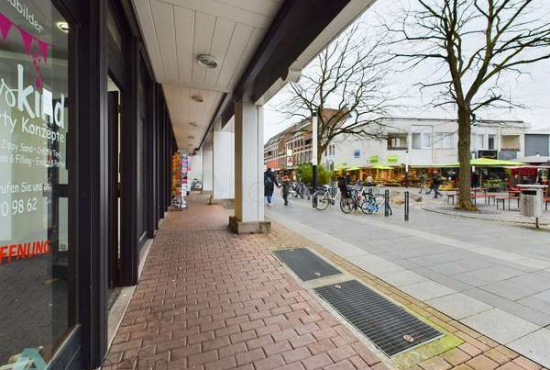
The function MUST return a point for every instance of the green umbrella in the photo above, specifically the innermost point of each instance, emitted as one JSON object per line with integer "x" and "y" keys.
{"x": 353, "y": 169}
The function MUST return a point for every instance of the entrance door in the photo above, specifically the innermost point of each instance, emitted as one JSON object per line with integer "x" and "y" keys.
{"x": 114, "y": 188}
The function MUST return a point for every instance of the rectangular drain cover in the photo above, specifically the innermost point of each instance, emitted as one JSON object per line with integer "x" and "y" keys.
{"x": 305, "y": 264}
{"x": 388, "y": 326}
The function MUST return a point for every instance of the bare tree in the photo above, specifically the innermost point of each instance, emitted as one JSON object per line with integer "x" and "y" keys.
{"x": 474, "y": 42}
{"x": 343, "y": 87}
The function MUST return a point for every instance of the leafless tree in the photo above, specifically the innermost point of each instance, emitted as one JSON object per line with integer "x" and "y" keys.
{"x": 474, "y": 43}
{"x": 344, "y": 87}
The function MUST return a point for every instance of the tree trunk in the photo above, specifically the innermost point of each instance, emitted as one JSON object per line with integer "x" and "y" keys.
{"x": 464, "y": 158}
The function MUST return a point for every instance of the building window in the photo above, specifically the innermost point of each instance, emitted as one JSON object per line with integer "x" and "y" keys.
{"x": 492, "y": 145}
{"x": 477, "y": 142}
{"x": 397, "y": 142}
{"x": 444, "y": 141}
{"x": 35, "y": 258}
{"x": 356, "y": 153}
{"x": 421, "y": 140}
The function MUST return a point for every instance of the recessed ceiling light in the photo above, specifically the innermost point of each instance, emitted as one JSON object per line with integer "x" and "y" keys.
{"x": 197, "y": 98}
{"x": 194, "y": 124}
{"x": 190, "y": 137}
{"x": 63, "y": 26}
{"x": 207, "y": 60}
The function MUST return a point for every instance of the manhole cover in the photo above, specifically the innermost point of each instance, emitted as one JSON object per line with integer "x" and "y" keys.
{"x": 306, "y": 264}
{"x": 388, "y": 326}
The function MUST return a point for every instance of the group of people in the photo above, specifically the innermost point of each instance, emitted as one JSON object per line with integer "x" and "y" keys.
{"x": 270, "y": 181}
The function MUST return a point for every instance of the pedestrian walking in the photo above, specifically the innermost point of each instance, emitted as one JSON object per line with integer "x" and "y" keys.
{"x": 436, "y": 183}
{"x": 423, "y": 179}
{"x": 286, "y": 187}
{"x": 347, "y": 179}
{"x": 270, "y": 180}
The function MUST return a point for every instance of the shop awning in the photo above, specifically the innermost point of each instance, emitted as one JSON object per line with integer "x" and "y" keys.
{"x": 353, "y": 169}
{"x": 381, "y": 167}
{"x": 486, "y": 162}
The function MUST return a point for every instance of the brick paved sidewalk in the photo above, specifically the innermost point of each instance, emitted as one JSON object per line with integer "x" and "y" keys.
{"x": 209, "y": 299}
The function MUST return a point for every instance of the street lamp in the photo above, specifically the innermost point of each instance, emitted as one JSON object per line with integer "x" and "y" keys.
{"x": 314, "y": 123}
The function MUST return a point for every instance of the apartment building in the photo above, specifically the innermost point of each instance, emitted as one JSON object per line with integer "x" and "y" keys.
{"x": 425, "y": 142}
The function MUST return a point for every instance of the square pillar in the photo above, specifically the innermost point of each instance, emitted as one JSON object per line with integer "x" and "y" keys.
{"x": 208, "y": 167}
{"x": 249, "y": 170}
{"x": 224, "y": 163}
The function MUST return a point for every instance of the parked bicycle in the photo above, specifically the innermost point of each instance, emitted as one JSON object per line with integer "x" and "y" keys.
{"x": 374, "y": 202}
{"x": 328, "y": 196}
{"x": 352, "y": 202}
{"x": 301, "y": 190}
{"x": 196, "y": 184}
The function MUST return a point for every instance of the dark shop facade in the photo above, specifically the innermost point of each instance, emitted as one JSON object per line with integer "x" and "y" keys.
{"x": 85, "y": 155}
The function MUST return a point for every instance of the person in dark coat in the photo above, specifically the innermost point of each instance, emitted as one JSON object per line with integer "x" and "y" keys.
{"x": 270, "y": 180}
{"x": 286, "y": 187}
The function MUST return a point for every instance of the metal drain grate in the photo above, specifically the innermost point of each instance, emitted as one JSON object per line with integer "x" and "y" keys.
{"x": 305, "y": 264}
{"x": 388, "y": 326}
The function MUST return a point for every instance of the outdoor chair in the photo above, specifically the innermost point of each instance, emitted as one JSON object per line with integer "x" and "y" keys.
{"x": 451, "y": 196}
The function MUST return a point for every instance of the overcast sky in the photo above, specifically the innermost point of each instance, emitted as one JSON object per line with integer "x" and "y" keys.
{"x": 530, "y": 90}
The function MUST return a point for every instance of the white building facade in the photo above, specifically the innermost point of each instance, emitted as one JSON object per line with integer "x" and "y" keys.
{"x": 425, "y": 142}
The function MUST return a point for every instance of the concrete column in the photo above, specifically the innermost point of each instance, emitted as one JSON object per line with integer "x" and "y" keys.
{"x": 208, "y": 167}
{"x": 249, "y": 166}
{"x": 224, "y": 162}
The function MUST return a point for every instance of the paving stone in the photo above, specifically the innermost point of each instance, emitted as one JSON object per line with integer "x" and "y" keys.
{"x": 427, "y": 290}
{"x": 456, "y": 356}
{"x": 435, "y": 363}
{"x": 482, "y": 362}
{"x": 500, "y": 325}
{"x": 459, "y": 306}
{"x": 536, "y": 346}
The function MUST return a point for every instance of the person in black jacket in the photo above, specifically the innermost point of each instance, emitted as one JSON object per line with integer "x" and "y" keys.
{"x": 436, "y": 183}
{"x": 270, "y": 180}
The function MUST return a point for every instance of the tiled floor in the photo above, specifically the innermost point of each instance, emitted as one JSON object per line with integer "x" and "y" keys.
{"x": 209, "y": 299}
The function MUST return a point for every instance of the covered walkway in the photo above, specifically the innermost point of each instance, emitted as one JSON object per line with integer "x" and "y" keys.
{"x": 210, "y": 299}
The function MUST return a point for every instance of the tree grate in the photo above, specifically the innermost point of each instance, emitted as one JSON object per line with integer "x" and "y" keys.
{"x": 305, "y": 264}
{"x": 391, "y": 328}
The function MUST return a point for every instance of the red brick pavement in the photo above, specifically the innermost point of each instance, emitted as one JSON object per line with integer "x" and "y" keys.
{"x": 209, "y": 299}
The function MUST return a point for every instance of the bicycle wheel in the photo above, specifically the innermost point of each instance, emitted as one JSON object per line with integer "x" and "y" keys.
{"x": 320, "y": 201}
{"x": 346, "y": 205}
{"x": 368, "y": 207}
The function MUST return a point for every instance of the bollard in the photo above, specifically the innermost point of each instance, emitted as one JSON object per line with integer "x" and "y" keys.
{"x": 407, "y": 197}
{"x": 386, "y": 203}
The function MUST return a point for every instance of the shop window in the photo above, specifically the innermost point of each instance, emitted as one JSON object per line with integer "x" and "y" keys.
{"x": 397, "y": 142}
{"x": 35, "y": 248}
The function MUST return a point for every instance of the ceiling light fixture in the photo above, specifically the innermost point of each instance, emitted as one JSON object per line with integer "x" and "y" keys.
{"x": 207, "y": 60}
{"x": 63, "y": 26}
{"x": 194, "y": 124}
{"x": 190, "y": 137}
{"x": 197, "y": 98}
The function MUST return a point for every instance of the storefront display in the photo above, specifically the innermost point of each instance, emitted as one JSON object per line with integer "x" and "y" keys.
{"x": 34, "y": 181}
